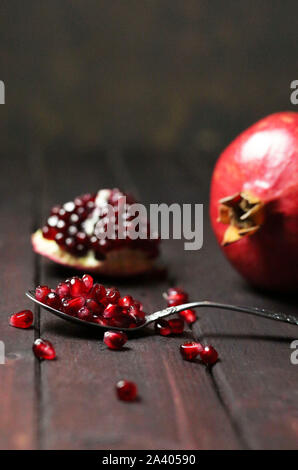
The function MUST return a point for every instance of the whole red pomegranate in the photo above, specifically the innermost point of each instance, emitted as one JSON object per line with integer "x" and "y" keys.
{"x": 254, "y": 202}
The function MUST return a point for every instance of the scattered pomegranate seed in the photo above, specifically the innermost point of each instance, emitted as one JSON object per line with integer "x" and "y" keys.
{"x": 115, "y": 339}
{"x": 162, "y": 327}
{"x": 189, "y": 316}
{"x": 43, "y": 349}
{"x": 209, "y": 355}
{"x": 176, "y": 325}
{"x": 176, "y": 296}
{"x": 126, "y": 391}
{"x": 41, "y": 293}
{"x": 190, "y": 351}
{"x": 23, "y": 319}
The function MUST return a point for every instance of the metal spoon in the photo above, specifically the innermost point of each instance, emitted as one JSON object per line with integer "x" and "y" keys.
{"x": 260, "y": 312}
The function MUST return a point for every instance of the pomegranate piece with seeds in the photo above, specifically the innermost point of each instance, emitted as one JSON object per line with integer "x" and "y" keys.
{"x": 23, "y": 319}
{"x": 92, "y": 302}
{"x": 191, "y": 350}
{"x": 209, "y": 355}
{"x": 43, "y": 349}
{"x": 126, "y": 391}
{"x": 115, "y": 339}
{"x": 72, "y": 236}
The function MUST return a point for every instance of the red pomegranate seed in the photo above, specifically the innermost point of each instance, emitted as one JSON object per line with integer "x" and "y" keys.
{"x": 60, "y": 239}
{"x": 99, "y": 320}
{"x": 53, "y": 300}
{"x": 88, "y": 282}
{"x": 162, "y": 327}
{"x": 120, "y": 321}
{"x": 190, "y": 351}
{"x": 115, "y": 339}
{"x": 23, "y": 319}
{"x": 209, "y": 355}
{"x": 137, "y": 316}
{"x": 126, "y": 391}
{"x": 126, "y": 301}
{"x": 43, "y": 349}
{"x": 69, "y": 207}
{"x": 176, "y": 325}
{"x": 61, "y": 226}
{"x": 72, "y": 306}
{"x": 41, "y": 292}
{"x": 82, "y": 237}
{"x": 113, "y": 295}
{"x": 49, "y": 232}
{"x": 94, "y": 306}
{"x": 52, "y": 221}
{"x": 111, "y": 311}
{"x": 55, "y": 210}
{"x": 98, "y": 292}
{"x": 77, "y": 287}
{"x": 84, "y": 314}
{"x": 176, "y": 296}
{"x": 172, "y": 291}
{"x": 63, "y": 290}
{"x": 188, "y": 315}
{"x": 138, "y": 305}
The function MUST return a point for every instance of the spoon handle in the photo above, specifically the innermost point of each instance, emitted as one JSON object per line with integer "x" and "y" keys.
{"x": 260, "y": 312}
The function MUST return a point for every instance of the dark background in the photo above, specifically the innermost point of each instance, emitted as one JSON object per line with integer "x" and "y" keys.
{"x": 168, "y": 73}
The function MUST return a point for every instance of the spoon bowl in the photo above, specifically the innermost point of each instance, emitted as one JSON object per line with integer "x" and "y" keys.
{"x": 260, "y": 312}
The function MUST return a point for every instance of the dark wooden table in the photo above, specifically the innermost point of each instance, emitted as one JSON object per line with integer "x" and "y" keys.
{"x": 248, "y": 400}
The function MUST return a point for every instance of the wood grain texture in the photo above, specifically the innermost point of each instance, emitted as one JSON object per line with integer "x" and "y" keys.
{"x": 18, "y": 411}
{"x": 79, "y": 408}
{"x": 255, "y": 381}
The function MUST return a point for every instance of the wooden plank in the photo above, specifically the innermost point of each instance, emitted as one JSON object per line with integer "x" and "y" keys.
{"x": 178, "y": 407}
{"x": 18, "y": 399}
{"x": 255, "y": 380}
